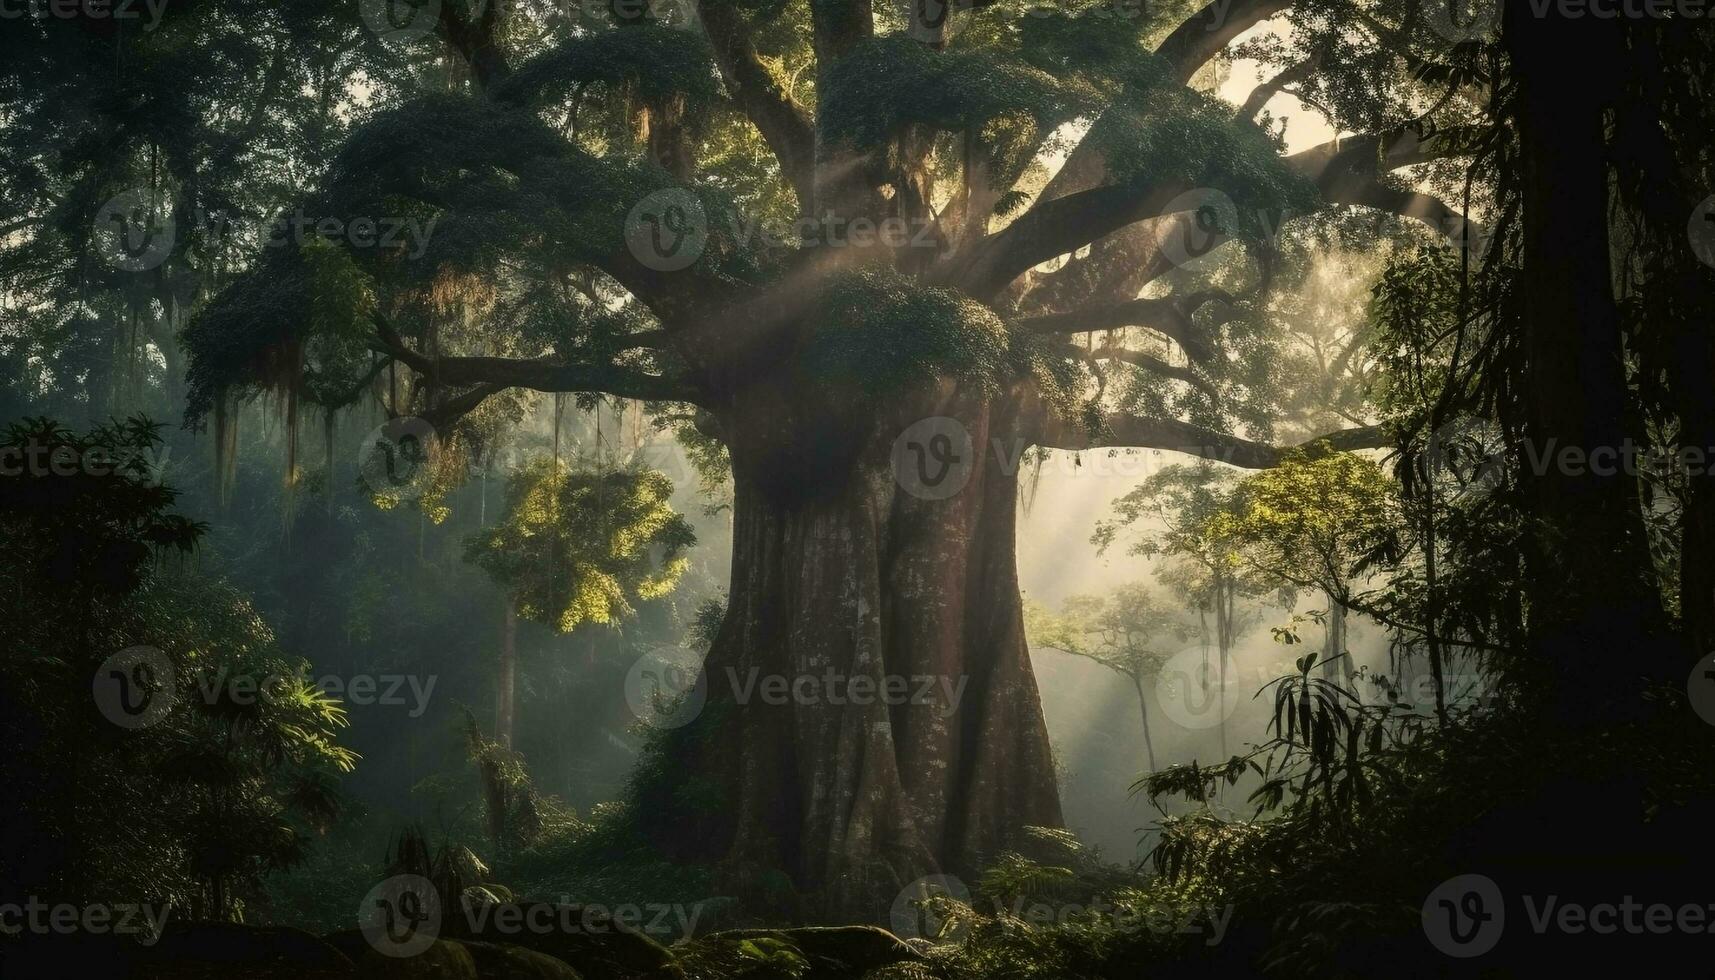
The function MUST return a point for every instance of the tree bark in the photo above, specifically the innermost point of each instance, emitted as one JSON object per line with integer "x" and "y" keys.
{"x": 1143, "y": 716}
{"x": 838, "y": 571}
{"x": 1333, "y": 668}
{"x": 1595, "y": 613}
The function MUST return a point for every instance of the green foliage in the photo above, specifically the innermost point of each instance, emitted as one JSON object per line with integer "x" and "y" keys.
{"x": 1175, "y": 135}
{"x": 583, "y": 543}
{"x": 1123, "y": 631}
{"x": 1314, "y": 521}
{"x": 88, "y": 511}
{"x": 1075, "y": 917}
{"x": 706, "y": 623}
{"x": 660, "y": 66}
{"x": 1197, "y": 535}
{"x": 516, "y": 813}
{"x": 885, "y": 332}
{"x": 233, "y": 779}
{"x": 888, "y": 83}
{"x": 298, "y": 323}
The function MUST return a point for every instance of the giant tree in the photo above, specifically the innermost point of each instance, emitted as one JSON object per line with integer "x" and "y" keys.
{"x": 596, "y": 190}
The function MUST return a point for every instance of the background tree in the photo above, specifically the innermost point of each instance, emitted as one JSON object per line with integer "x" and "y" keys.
{"x": 1317, "y": 524}
{"x": 1123, "y": 632}
{"x": 1186, "y": 516}
{"x": 578, "y": 544}
{"x": 231, "y": 776}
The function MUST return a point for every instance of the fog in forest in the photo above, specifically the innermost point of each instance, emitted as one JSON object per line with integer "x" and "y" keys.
{"x": 855, "y": 489}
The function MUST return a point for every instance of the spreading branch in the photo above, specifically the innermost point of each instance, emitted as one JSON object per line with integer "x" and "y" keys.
{"x": 784, "y": 125}
{"x": 1263, "y": 93}
{"x": 1350, "y": 171}
{"x": 1051, "y": 229}
{"x": 538, "y": 375}
{"x": 1169, "y": 316}
{"x": 1136, "y": 432}
{"x": 1208, "y": 32}
{"x": 1150, "y": 363}
{"x": 1191, "y": 46}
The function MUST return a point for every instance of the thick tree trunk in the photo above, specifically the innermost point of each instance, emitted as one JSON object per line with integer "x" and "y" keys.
{"x": 1595, "y": 615}
{"x": 839, "y": 572}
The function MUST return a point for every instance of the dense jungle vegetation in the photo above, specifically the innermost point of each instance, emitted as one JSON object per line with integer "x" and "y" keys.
{"x": 872, "y": 489}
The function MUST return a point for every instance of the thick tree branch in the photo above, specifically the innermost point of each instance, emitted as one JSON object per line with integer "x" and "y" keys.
{"x": 1194, "y": 43}
{"x": 1345, "y": 171}
{"x": 783, "y": 123}
{"x": 1134, "y": 432}
{"x": 538, "y": 375}
{"x": 449, "y": 412}
{"x": 1167, "y": 316}
{"x": 1150, "y": 363}
{"x": 1052, "y": 229}
{"x": 1200, "y": 38}
{"x": 1272, "y": 87}
{"x": 1349, "y": 171}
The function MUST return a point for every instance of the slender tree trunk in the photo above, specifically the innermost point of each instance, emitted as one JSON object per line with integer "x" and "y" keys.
{"x": 840, "y": 573}
{"x": 1431, "y": 580}
{"x": 506, "y": 682}
{"x": 1143, "y": 716}
{"x": 1224, "y": 627}
{"x": 1334, "y": 633}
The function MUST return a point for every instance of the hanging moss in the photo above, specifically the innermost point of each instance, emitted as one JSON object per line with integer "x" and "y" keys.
{"x": 297, "y": 326}
{"x": 483, "y": 187}
{"x": 498, "y": 184}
